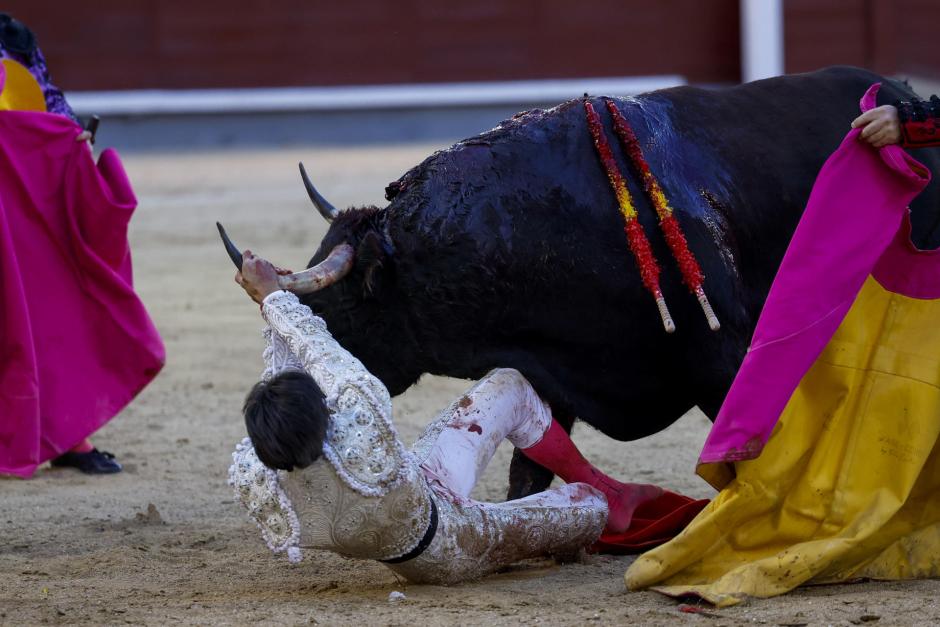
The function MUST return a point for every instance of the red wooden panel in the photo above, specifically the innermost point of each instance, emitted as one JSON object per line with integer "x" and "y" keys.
{"x": 888, "y": 36}
{"x": 818, "y": 33}
{"x": 127, "y": 44}
{"x": 918, "y": 37}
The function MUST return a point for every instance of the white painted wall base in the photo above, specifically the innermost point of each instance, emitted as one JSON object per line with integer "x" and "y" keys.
{"x": 296, "y": 99}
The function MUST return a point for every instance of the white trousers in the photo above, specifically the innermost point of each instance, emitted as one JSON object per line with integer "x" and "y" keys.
{"x": 501, "y": 406}
{"x": 475, "y": 538}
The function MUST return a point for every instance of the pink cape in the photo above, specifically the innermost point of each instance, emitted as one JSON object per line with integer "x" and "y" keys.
{"x": 77, "y": 344}
{"x": 856, "y": 211}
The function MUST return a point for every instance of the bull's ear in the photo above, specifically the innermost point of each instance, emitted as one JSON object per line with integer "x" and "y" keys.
{"x": 370, "y": 261}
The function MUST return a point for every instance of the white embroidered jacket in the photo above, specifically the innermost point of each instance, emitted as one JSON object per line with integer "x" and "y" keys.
{"x": 365, "y": 497}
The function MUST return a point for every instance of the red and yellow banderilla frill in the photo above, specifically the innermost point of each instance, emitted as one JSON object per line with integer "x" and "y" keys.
{"x": 636, "y": 238}
{"x": 691, "y": 272}
{"x": 672, "y": 232}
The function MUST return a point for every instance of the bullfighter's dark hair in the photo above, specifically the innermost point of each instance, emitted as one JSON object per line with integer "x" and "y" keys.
{"x": 286, "y": 419}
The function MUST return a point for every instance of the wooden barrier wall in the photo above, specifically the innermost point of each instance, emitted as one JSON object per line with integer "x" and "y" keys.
{"x": 135, "y": 44}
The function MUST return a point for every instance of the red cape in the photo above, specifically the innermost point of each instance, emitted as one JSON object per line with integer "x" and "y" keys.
{"x": 654, "y": 523}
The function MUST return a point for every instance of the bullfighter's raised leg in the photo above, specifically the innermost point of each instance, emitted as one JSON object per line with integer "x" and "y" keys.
{"x": 526, "y": 477}
{"x": 503, "y": 405}
{"x": 557, "y": 452}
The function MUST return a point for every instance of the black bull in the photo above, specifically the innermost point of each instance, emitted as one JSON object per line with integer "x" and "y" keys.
{"x": 507, "y": 250}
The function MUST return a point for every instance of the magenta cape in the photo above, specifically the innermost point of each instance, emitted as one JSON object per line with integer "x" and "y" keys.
{"x": 856, "y": 224}
{"x": 77, "y": 344}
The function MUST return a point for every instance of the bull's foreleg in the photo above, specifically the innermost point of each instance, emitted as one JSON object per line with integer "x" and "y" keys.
{"x": 527, "y": 477}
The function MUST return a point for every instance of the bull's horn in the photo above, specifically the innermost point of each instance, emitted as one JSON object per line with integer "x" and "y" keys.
{"x": 328, "y": 211}
{"x": 230, "y": 247}
{"x": 325, "y": 273}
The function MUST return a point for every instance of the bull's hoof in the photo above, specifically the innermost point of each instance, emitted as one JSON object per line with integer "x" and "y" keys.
{"x": 526, "y": 477}
{"x": 573, "y": 555}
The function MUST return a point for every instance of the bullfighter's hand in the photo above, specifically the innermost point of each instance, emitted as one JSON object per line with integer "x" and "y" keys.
{"x": 880, "y": 126}
{"x": 258, "y": 277}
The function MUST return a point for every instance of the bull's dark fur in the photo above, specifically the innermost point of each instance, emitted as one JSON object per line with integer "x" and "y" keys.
{"x": 507, "y": 250}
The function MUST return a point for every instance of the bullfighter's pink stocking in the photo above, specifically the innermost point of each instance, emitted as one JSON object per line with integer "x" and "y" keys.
{"x": 559, "y": 454}
{"x": 82, "y": 447}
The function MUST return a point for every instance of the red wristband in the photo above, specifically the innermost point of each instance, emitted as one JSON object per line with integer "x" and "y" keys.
{"x": 919, "y": 134}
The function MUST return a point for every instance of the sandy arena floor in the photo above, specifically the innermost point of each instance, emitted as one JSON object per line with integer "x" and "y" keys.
{"x": 164, "y": 543}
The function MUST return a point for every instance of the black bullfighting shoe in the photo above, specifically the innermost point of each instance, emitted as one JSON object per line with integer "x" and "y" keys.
{"x": 94, "y": 462}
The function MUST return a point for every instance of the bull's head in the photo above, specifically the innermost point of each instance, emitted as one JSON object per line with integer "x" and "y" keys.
{"x": 346, "y": 283}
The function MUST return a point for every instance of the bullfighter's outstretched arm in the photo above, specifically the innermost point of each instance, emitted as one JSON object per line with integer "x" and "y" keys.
{"x": 300, "y": 339}
{"x": 277, "y": 355}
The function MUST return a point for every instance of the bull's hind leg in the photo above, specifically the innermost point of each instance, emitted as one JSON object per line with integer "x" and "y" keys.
{"x": 527, "y": 477}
